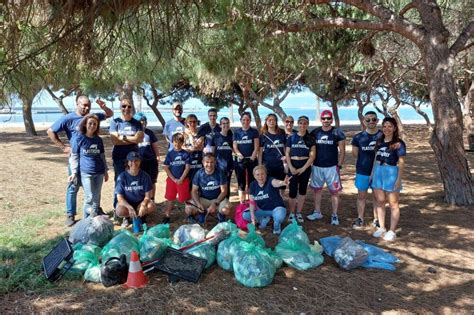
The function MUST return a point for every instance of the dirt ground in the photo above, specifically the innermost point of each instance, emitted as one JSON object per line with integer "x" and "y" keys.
{"x": 431, "y": 234}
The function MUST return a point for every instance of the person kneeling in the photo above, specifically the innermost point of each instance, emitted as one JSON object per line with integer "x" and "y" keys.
{"x": 134, "y": 188}
{"x": 265, "y": 200}
{"x": 208, "y": 192}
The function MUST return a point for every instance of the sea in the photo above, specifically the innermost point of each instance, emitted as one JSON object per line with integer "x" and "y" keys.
{"x": 45, "y": 111}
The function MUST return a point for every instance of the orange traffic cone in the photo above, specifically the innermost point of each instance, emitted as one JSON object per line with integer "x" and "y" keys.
{"x": 136, "y": 277}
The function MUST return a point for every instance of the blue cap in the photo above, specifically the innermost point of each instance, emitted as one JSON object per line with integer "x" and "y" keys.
{"x": 133, "y": 156}
{"x": 140, "y": 116}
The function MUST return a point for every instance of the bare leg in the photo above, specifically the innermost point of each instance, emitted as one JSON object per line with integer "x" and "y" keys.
{"x": 168, "y": 207}
{"x": 292, "y": 205}
{"x": 335, "y": 200}
{"x": 394, "y": 209}
{"x": 374, "y": 206}
{"x": 242, "y": 196}
{"x": 380, "y": 198}
{"x": 361, "y": 197}
{"x": 317, "y": 199}
{"x": 300, "y": 203}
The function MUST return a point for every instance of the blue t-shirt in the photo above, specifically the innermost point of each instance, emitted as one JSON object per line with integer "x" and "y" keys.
{"x": 209, "y": 184}
{"x": 69, "y": 124}
{"x": 124, "y": 128}
{"x": 177, "y": 160}
{"x": 327, "y": 144}
{"x": 365, "y": 143}
{"x": 223, "y": 145}
{"x": 298, "y": 146}
{"x": 145, "y": 149}
{"x": 133, "y": 188}
{"x": 89, "y": 151}
{"x": 245, "y": 140}
{"x": 266, "y": 197}
{"x": 208, "y": 132}
{"x": 171, "y": 127}
{"x": 273, "y": 149}
{"x": 387, "y": 156}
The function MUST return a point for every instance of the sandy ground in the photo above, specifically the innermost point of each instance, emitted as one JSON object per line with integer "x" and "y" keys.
{"x": 431, "y": 234}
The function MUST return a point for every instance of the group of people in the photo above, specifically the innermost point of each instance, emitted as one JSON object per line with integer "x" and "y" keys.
{"x": 201, "y": 160}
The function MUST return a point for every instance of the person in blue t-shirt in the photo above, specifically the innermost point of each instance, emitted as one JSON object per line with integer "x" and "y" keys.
{"x": 300, "y": 153}
{"x": 209, "y": 192}
{"x": 176, "y": 165}
{"x": 363, "y": 145}
{"x": 193, "y": 144}
{"x": 69, "y": 123}
{"x": 149, "y": 152}
{"x": 209, "y": 129}
{"x": 126, "y": 133}
{"x": 330, "y": 154}
{"x": 246, "y": 146}
{"x": 272, "y": 148}
{"x": 174, "y": 125}
{"x": 133, "y": 190}
{"x": 87, "y": 160}
{"x": 387, "y": 173}
{"x": 265, "y": 200}
{"x": 222, "y": 147}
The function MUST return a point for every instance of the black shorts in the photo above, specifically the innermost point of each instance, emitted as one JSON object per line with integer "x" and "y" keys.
{"x": 151, "y": 168}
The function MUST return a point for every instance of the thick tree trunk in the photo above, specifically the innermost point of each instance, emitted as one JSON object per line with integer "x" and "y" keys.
{"x": 335, "y": 113}
{"x": 28, "y": 116}
{"x": 447, "y": 137}
{"x": 158, "y": 115}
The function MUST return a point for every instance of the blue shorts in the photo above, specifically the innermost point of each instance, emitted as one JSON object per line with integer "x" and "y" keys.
{"x": 362, "y": 182}
{"x": 329, "y": 175}
{"x": 384, "y": 177}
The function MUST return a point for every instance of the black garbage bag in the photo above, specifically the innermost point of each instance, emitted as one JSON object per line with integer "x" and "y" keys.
{"x": 114, "y": 271}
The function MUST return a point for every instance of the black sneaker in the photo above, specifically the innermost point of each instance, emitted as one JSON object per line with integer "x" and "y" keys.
{"x": 166, "y": 220}
{"x": 70, "y": 220}
{"x": 358, "y": 224}
{"x": 376, "y": 223}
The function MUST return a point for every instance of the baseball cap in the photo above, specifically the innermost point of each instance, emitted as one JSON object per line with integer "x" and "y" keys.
{"x": 326, "y": 112}
{"x": 140, "y": 116}
{"x": 133, "y": 156}
{"x": 177, "y": 104}
{"x": 303, "y": 117}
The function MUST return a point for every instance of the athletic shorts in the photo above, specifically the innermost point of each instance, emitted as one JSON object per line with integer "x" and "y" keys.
{"x": 206, "y": 203}
{"x": 181, "y": 191}
{"x": 362, "y": 182}
{"x": 151, "y": 168}
{"x": 329, "y": 175}
{"x": 384, "y": 177}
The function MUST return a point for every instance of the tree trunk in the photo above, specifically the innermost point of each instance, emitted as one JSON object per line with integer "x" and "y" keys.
{"x": 447, "y": 136}
{"x": 158, "y": 115}
{"x": 335, "y": 113}
{"x": 28, "y": 116}
{"x": 126, "y": 91}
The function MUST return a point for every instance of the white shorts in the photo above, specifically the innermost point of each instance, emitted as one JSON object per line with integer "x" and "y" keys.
{"x": 329, "y": 175}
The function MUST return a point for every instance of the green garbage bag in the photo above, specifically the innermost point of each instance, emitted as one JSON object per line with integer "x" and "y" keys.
{"x": 92, "y": 274}
{"x": 229, "y": 226}
{"x": 252, "y": 266}
{"x": 293, "y": 231}
{"x": 122, "y": 243}
{"x": 253, "y": 237}
{"x": 274, "y": 258}
{"x": 203, "y": 250}
{"x": 298, "y": 254}
{"x": 160, "y": 231}
{"x": 85, "y": 256}
{"x": 152, "y": 247}
{"x": 226, "y": 250}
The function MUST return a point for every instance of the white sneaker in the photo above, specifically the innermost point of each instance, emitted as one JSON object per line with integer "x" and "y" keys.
{"x": 299, "y": 217}
{"x": 291, "y": 217}
{"x": 316, "y": 215}
{"x": 380, "y": 231}
{"x": 334, "y": 219}
{"x": 390, "y": 236}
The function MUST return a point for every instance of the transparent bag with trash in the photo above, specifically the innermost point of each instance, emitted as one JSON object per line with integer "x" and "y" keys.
{"x": 298, "y": 254}
{"x": 189, "y": 232}
{"x": 96, "y": 230}
{"x": 228, "y": 226}
{"x": 226, "y": 250}
{"x": 160, "y": 231}
{"x": 349, "y": 254}
{"x": 293, "y": 231}
{"x": 253, "y": 237}
{"x": 152, "y": 247}
{"x": 85, "y": 256}
{"x": 122, "y": 243}
{"x": 252, "y": 266}
{"x": 203, "y": 250}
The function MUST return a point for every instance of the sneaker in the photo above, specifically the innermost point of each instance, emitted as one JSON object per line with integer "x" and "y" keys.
{"x": 263, "y": 222}
{"x": 358, "y": 224}
{"x": 380, "y": 231}
{"x": 390, "y": 236}
{"x": 316, "y": 215}
{"x": 291, "y": 217}
{"x": 191, "y": 219}
{"x": 166, "y": 220}
{"x": 70, "y": 220}
{"x": 334, "y": 219}
{"x": 201, "y": 218}
{"x": 277, "y": 230}
{"x": 125, "y": 223}
{"x": 220, "y": 217}
{"x": 376, "y": 223}
{"x": 299, "y": 217}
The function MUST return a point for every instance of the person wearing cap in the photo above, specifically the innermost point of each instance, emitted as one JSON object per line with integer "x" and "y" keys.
{"x": 300, "y": 152}
{"x": 209, "y": 129}
{"x": 363, "y": 149}
{"x": 331, "y": 151}
{"x": 133, "y": 189}
{"x": 149, "y": 151}
{"x": 174, "y": 125}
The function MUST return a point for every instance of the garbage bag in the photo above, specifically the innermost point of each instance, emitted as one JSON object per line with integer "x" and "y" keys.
{"x": 97, "y": 230}
{"x": 204, "y": 250}
{"x": 160, "y": 231}
{"x": 152, "y": 247}
{"x": 229, "y": 226}
{"x": 92, "y": 274}
{"x": 274, "y": 258}
{"x": 114, "y": 271}
{"x": 85, "y": 256}
{"x": 252, "y": 267}
{"x": 330, "y": 244}
{"x": 298, "y": 254}
{"x": 253, "y": 237}
{"x": 378, "y": 258}
{"x": 349, "y": 254}
{"x": 123, "y": 243}
{"x": 293, "y": 230}
{"x": 226, "y": 250}
{"x": 189, "y": 232}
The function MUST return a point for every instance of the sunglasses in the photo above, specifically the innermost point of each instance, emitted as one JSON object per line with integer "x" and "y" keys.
{"x": 126, "y": 106}
{"x": 192, "y": 122}
{"x": 326, "y": 118}
{"x": 371, "y": 120}
{"x": 289, "y": 122}
{"x": 177, "y": 108}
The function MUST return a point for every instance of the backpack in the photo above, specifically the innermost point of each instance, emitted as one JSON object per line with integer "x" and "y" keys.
{"x": 239, "y": 211}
